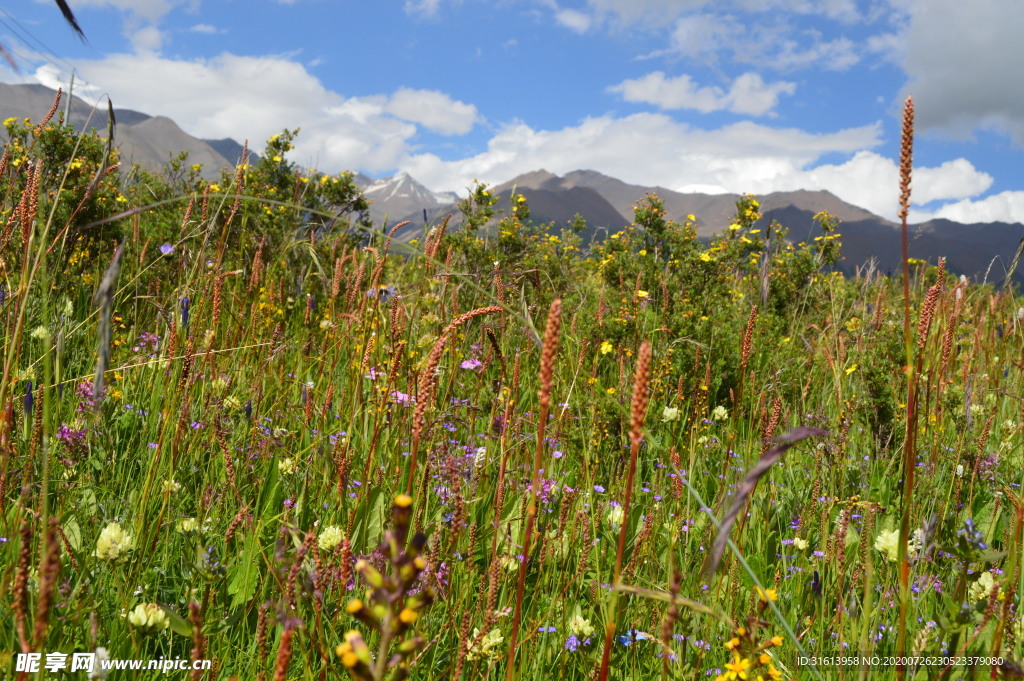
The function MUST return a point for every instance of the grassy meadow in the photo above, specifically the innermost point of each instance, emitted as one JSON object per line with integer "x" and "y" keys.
{"x": 240, "y": 423}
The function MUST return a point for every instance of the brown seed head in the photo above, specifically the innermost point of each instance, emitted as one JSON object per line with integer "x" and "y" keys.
{"x": 906, "y": 156}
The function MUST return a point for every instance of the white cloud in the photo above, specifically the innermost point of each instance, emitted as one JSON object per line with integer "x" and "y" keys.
{"x": 370, "y": 133}
{"x": 423, "y": 7}
{"x": 205, "y": 28}
{"x": 1006, "y": 206}
{"x": 576, "y": 21}
{"x": 433, "y": 110}
{"x": 962, "y": 61}
{"x": 151, "y": 11}
{"x": 647, "y": 149}
{"x": 774, "y": 44}
{"x": 748, "y": 94}
{"x": 148, "y": 39}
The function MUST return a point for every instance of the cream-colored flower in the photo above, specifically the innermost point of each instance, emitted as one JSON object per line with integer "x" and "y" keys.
{"x": 669, "y": 414}
{"x": 488, "y": 646}
{"x": 580, "y": 627}
{"x": 981, "y": 589}
{"x": 888, "y": 544}
{"x": 615, "y": 516}
{"x": 188, "y": 525}
{"x": 149, "y": 618}
{"x": 330, "y": 537}
{"x": 172, "y": 486}
{"x": 286, "y": 466}
{"x": 720, "y": 413}
{"x": 799, "y": 543}
{"x": 113, "y": 542}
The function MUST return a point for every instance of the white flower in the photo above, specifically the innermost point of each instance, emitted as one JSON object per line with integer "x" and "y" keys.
{"x": 99, "y": 670}
{"x": 981, "y": 589}
{"x": 669, "y": 414}
{"x": 330, "y": 537}
{"x": 479, "y": 456}
{"x": 188, "y": 525}
{"x": 113, "y": 542}
{"x": 888, "y": 544}
{"x": 170, "y": 485}
{"x": 799, "y": 543}
{"x": 485, "y": 647}
{"x": 149, "y": 618}
{"x": 286, "y": 466}
{"x": 615, "y": 516}
{"x": 960, "y": 470}
{"x": 720, "y": 413}
{"x": 580, "y": 627}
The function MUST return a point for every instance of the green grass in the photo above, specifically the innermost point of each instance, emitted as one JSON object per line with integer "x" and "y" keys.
{"x": 251, "y": 450}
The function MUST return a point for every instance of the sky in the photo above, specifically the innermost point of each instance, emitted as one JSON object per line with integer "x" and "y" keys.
{"x": 691, "y": 95}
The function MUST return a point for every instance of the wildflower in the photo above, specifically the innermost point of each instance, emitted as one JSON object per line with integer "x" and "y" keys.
{"x": 599, "y": 489}
{"x": 286, "y": 466}
{"x": 632, "y": 636}
{"x": 485, "y": 647}
{"x": 572, "y": 643}
{"x": 981, "y": 589}
{"x": 580, "y": 626}
{"x": 719, "y": 413}
{"x": 232, "y": 403}
{"x": 149, "y": 618}
{"x": 669, "y": 414}
{"x": 606, "y": 347}
{"x": 615, "y": 516}
{"x": 113, "y": 542}
{"x": 166, "y": 249}
{"x": 330, "y": 537}
{"x": 472, "y": 363}
{"x": 41, "y": 333}
{"x": 960, "y": 470}
{"x": 767, "y": 595}
{"x": 546, "y": 630}
{"x": 188, "y": 525}
{"x": 172, "y": 486}
{"x": 737, "y": 669}
{"x": 799, "y": 543}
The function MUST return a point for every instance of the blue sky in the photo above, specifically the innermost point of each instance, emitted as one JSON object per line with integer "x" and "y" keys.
{"x": 717, "y": 95}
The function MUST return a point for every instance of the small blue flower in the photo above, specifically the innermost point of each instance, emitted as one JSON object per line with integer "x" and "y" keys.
{"x": 546, "y": 630}
{"x": 631, "y": 636}
{"x": 166, "y": 249}
{"x": 572, "y": 643}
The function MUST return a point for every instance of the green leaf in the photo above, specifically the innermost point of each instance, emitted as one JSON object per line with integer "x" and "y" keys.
{"x": 179, "y": 625}
{"x": 244, "y": 573}
{"x": 73, "y": 533}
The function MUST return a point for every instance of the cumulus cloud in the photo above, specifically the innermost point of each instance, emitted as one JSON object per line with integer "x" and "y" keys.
{"x": 218, "y": 97}
{"x": 959, "y": 57}
{"x": 647, "y": 149}
{"x": 1006, "y": 206}
{"x": 433, "y": 110}
{"x": 748, "y": 94}
{"x": 570, "y": 18}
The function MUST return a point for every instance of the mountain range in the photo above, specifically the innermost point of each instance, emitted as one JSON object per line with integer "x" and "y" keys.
{"x": 983, "y": 251}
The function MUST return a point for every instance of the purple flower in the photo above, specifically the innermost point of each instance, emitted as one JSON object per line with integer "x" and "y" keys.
{"x": 598, "y": 488}
{"x": 572, "y": 643}
{"x": 632, "y": 636}
{"x": 166, "y": 249}
{"x": 472, "y": 363}
{"x": 546, "y": 630}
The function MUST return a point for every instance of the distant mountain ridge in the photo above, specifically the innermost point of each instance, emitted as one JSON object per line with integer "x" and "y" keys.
{"x": 982, "y": 251}
{"x": 150, "y": 141}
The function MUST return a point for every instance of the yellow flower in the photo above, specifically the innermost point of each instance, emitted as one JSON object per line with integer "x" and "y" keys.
{"x": 850, "y": 369}
{"x": 606, "y": 347}
{"x": 767, "y": 594}
{"x": 642, "y": 294}
{"x": 737, "y": 669}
